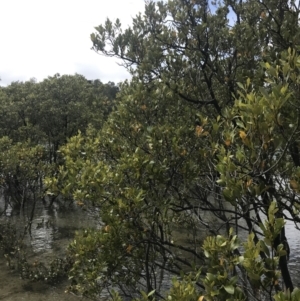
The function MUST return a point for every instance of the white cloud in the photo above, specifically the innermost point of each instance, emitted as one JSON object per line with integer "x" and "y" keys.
{"x": 41, "y": 37}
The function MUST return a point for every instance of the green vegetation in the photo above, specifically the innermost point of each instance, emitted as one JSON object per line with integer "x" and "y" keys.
{"x": 209, "y": 123}
{"x": 37, "y": 119}
{"x": 202, "y": 146}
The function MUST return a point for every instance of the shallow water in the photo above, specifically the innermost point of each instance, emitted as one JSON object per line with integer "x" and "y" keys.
{"x": 293, "y": 237}
{"x": 51, "y": 231}
{"x": 54, "y": 228}
{"x": 15, "y": 289}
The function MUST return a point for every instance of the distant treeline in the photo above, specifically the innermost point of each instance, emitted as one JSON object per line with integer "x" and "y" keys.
{"x": 36, "y": 119}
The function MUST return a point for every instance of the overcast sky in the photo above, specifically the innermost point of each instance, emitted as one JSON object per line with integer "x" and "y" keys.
{"x": 42, "y": 37}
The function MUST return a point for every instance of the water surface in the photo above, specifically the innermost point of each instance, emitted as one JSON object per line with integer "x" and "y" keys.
{"x": 52, "y": 229}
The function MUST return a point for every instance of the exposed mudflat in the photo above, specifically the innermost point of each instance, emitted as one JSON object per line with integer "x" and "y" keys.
{"x": 13, "y": 288}
{"x": 52, "y": 230}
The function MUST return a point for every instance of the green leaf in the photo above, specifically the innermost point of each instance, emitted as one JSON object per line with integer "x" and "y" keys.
{"x": 151, "y": 293}
{"x": 240, "y": 85}
{"x": 229, "y": 289}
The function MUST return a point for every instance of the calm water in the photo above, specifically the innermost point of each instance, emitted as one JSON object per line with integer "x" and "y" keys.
{"x": 51, "y": 232}
{"x": 293, "y": 236}
{"x": 53, "y": 229}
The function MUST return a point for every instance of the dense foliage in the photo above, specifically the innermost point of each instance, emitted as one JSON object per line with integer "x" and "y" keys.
{"x": 206, "y": 130}
{"x": 201, "y": 148}
{"x": 38, "y": 118}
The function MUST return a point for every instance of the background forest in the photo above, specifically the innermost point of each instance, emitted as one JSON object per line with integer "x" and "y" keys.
{"x": 199, "y": 148}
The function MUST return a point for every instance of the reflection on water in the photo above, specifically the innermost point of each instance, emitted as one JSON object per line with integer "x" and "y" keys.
{"x": 42, "y": 239}
{"x": 43, "y": 229}
{"x": 52, "y": 229}
{"x": 50, "y": 223}
{"x": 293, "y": 237}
